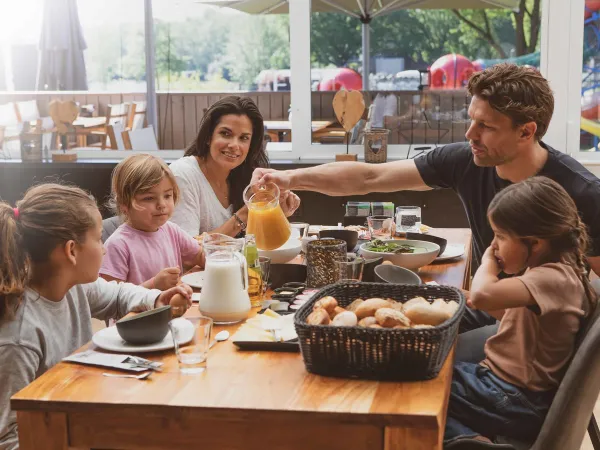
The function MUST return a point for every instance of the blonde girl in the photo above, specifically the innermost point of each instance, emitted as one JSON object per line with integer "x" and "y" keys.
{"x": 50, "y": 254}
{"x": 147, "y": 249}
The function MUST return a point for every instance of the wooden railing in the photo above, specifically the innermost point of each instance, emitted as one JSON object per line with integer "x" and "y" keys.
{"x": 422, "y": 117}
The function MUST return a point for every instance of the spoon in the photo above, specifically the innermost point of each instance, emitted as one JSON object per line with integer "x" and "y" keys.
{"x": 221, "y": 336}
{"x": 142, "y": 376}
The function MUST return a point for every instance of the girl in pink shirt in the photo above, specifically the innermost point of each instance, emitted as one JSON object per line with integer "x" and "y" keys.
{"x": 540, "y": 240}
{"x": 147, "y": 249}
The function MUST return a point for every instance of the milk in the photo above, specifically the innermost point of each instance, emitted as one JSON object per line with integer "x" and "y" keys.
{"x": 224, "y": 295}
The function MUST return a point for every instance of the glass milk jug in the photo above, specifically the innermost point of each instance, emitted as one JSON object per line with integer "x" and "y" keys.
{"x": 266, "y": 220}
{"x": 224, "y": 295}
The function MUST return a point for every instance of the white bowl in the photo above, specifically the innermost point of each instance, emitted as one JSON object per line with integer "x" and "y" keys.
{"x": 285, "y": 253}
{"x": 406, "y": 260}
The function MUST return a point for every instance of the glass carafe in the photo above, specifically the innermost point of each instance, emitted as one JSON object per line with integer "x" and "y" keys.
{"x": 224, "y": 296}
{"x": 266, "y": 220}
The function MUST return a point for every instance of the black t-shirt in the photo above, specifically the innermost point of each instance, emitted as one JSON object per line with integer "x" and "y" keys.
{"x": 452, "y": 167}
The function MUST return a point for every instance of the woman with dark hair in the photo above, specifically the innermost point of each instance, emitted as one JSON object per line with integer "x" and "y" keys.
{"x": 217, "y": 167}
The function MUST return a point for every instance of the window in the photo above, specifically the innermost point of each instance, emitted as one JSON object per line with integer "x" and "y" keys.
{"x": 419, "y": 61}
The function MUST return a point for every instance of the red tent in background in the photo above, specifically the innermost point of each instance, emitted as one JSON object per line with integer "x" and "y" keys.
{"x": 341, "y": 78}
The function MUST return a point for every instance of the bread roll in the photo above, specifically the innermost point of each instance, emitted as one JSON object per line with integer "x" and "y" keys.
{"x": 367, "y": 321}
{"x": 375, "y": 325}
{"x": 355, "y": 304}
{"x": 426, "y": 314}
{"x": 337, "y": 310}
{"x": 416, "y": 327}
{"x": 452, "y": 307}
{"x": 388, "y": 318}
{"x": 387, "y": 263}
{"x": 345, "y": 319}
{"x": 328, "y": 303}
{"x": 318, "y": 317}
{"x": 368, "y": 307}
{"x": 416, "y": 300}
{"x": 397, "y": 306}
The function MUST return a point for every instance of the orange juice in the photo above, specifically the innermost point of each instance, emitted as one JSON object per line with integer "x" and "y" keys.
{"x": 267, "y": 222}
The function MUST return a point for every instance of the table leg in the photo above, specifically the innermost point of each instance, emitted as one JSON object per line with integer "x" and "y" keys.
{"x": 412, "y": 439}
{"x": 38, "y": 429}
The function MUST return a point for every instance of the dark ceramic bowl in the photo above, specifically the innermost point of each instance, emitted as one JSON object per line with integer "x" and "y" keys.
{"x": 429, "y": 238}
{"x": 350, "y": 236}
{"x": 285, "y": 273}
{"x": 147, "y": 327}
{"x": 369, "y": 269}
{"x": 387, "y": 273}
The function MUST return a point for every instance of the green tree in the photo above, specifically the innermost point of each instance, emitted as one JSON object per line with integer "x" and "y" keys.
{"x": 168, "y": 61}
{"x": 335, "y": 39}
{"x": 257, "y": 43}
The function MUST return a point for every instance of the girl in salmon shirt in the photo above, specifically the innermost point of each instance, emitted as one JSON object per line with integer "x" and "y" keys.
{"x": 541, "y": 241}
{"x": 147, "y": 249}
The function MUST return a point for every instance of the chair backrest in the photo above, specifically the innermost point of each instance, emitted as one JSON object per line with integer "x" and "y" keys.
{"x": 27, "y": 111}
{"x": 568, "y": 417}
{"x": 117, "y": 113}
{"x": 137, "y": 115}
{"x": 109, "y": 226}
{"x": 141, "y": 140}
{"x": 115, "y": 136}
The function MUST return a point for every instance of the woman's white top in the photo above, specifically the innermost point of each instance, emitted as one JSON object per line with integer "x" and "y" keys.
{"x": 199, "y": 210}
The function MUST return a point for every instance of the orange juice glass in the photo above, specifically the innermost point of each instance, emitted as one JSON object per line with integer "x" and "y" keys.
{"x": 266, "y": 220}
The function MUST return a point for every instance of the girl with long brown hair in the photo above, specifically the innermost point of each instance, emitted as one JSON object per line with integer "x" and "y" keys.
{"x": 217, "y": 167}
{"x": 540, "y": 239}
{"x": 50, "y": 253}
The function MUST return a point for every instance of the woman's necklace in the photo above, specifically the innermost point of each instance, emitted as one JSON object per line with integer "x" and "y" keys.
{"x": 223, "y": 190}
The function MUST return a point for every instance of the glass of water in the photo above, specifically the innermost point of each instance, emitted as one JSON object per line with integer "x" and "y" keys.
{"x": 350, "y": 269}
{"x": 380, "y": 227}
{"x": 192, "y": 356}
{"x": 408, "y": 218}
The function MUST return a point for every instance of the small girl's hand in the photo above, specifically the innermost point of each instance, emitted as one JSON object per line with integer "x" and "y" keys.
{"x": 490, "y": 261}
{"x": 167, "y": 278}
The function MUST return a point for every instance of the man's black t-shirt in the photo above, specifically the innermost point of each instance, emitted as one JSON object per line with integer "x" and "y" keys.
{"x": 452, "y": 167}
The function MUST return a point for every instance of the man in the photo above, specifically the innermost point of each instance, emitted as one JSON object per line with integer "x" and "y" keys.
{"x": 510, "y": 111}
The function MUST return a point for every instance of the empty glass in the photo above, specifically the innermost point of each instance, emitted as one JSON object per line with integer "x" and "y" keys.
{"x": 408, "y": 218}
{"x": 380, "y": 227}
{"x": 192, "y": 356}
{"x": 265, "y": 269}
{"x": 350, "y": 269}
{"x": 299, "y": 229}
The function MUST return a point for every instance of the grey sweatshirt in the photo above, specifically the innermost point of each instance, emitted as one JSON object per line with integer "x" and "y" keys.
{"x": 43, "y": 332}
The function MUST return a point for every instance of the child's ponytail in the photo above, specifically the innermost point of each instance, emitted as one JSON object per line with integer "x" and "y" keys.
{"x": 13, "y": 262}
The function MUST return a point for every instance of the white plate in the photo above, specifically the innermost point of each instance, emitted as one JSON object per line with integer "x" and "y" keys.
{"x": 452, "y": 251}
{"x": 109, "y": 339}
{"x": 194, "y": 279}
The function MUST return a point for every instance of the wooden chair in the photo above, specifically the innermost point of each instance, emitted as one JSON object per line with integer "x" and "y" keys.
{"x": 137, "y": 116}
{"x": 115, "y": 136}
{"x": 118, "y": 113}
{"x": 140, "y": 140}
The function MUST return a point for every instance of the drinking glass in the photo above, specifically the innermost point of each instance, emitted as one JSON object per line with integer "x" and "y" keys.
{"x": 265, "y": 269}
{"x": 299, "y": 229}
{"x": 408, "y": 218}
{"x": 380, "y": 227}
{"x": 350, "y": 269}
{"x": 192, "y": 357}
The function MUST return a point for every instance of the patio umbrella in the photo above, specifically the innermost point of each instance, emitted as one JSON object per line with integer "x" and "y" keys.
{"x": 363, "y": 10}
{"x": 61, "y": 63}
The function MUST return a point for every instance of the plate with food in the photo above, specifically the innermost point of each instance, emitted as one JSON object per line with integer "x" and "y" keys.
{"x": 268, "y": 331}
{"x": 410, "y": 254}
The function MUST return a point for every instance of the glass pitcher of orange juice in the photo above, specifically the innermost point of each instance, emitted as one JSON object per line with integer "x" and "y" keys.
{"x": 266, "y": 220}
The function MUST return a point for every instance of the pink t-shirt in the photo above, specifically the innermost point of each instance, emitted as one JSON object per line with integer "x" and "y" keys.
{"x": 136, "y": 256}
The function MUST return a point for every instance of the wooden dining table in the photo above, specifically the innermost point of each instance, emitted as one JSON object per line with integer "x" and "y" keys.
{"x": 246, "y": 400}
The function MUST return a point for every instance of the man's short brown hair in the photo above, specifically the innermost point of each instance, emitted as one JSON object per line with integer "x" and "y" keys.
{"x": 521, "y": 93}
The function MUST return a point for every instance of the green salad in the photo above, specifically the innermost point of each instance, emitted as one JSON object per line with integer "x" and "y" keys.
{"x": 379, "y": 246}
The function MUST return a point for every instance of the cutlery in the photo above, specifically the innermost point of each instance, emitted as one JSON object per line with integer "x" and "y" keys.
{"x": 142, "y": 376}
{"x": 220, "y": 337}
